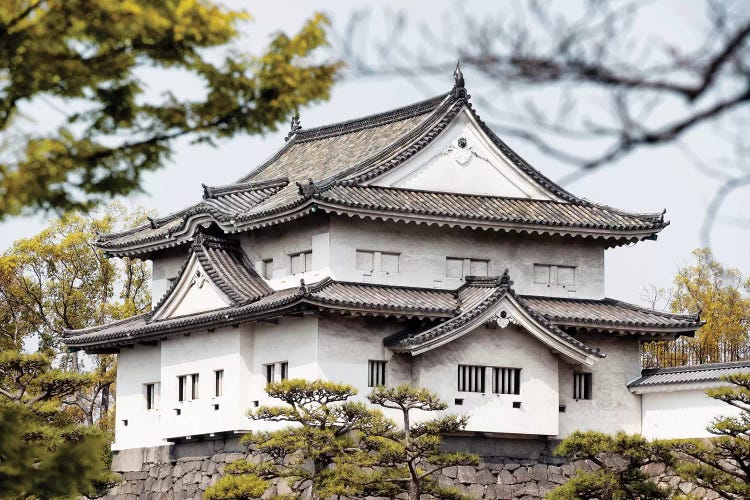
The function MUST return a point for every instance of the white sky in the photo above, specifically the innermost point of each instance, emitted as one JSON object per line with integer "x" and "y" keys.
{"x": 648, "y": 181}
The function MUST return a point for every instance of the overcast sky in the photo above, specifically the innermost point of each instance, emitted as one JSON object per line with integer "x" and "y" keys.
{"x": 647, "y": 181}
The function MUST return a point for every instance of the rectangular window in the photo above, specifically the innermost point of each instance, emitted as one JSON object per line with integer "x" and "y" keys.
{"x": 181, "y": 387}
{"x": 458, "y": 267}
{"x": 375, "y": 373}
{"x": 582, "y": 386}
{"x": 276, "y": 372}
{"x": 151, "y": 397}
{"x": 389, "y": 262}
{"x": 554, "y": 275}
{"x": 194, "y": 386}
{"x": 381, "y": 262}
{"x": 270, "y": 372}
{"x": 506, "y": 380}
{"x": 301, "y": 262}
{"x": 218, "y": 383}
{"x": 267, "y": 268}
{"x": 365, "y": 261}
{"x": 471, "y": 378}
{"x": 284, "y": 369}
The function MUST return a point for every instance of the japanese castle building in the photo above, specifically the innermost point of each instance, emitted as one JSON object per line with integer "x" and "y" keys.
{"x": 412, "y": 246}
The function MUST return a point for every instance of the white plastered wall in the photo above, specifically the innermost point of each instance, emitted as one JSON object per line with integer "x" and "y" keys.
{"x": 510, "y": 347}
{"x": 135, "y": 368}
{"x": 612, "y": 407}
{"x": 423, "y": 252}
{"x": 681, "y": 411}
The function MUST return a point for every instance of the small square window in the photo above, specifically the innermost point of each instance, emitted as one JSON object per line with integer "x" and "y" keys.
{"x": 479, "y": 267}
{"x": 268, "y": 269}
{"x": 454, "y": 268}
{"x": 541, "y": 274}
{"x": 389, "y": 263}
{"x": 375, "y": 373}
{"x": 365, "y": 260}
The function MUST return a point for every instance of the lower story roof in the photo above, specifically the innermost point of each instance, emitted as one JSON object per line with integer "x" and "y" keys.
{"x": 687, "y": 375}
{"x": 438, "y": 306}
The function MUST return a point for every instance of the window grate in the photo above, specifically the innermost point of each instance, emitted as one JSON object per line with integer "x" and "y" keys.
{"x": 219, "y": 383}
{"x": 150, "y": 396}
{"x": 506, "y": 380}
{"x": 582, "y": 386}
{"x": 471, "y": 378}
{"x": 375, "y": 373}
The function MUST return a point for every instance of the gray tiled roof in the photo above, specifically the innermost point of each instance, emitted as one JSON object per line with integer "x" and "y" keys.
{"x": 367, "y": 299}
{"x": 490, "y": 208}
{"x": 252, "y": 300}
{"x": 339, "y": 158}
{"x": 608, "y": 314}
{"x": 654, "y": 377}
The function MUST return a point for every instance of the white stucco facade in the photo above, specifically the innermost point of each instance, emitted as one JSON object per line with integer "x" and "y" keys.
{"x": 209, "y": 349}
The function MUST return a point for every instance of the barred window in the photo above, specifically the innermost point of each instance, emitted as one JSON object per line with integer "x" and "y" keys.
{"x": 375, "y": 373}
{"x": 582, "y": 386}
{"x": 270, "y": 372}
{"x": 151, "y": 397}
{"x": 506, "y": 380}
{"x": 471, "y": 378}
{"x": 218, "y": 383}
{"x": 284, "y": 369}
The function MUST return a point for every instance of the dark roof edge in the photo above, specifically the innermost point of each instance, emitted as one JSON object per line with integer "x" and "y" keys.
{"x": 695, "y": 368}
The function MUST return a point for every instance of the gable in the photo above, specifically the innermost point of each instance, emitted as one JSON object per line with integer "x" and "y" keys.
{"x": 193, "y": 293}
{"x": 464, "y": 160}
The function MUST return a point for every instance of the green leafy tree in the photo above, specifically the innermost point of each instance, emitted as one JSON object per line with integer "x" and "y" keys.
{"x": 58, "y": 280}
{"x": 88, "y": 56}
{"x": 722, "y": 464}
{"x": 405, "y": 458}
{"x": 324, "y": 425}
{"x": 720, "y": 294}
{"x": 619, "y": 460}
{"x": 44, "y": 453}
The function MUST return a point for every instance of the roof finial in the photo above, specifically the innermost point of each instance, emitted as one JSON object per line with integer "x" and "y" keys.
{"x": 206, "y": 191}
{"x": 295, "y": 126}
{"x": 459, "y": 85}
{"x": 505, "y": 281}
{"x": 458, "y": 77}
{"x": 302, "y": 290}
{"x": 152, "y": 222}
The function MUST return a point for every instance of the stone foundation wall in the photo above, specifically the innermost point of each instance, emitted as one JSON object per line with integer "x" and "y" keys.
{"x": 186, "y": 470}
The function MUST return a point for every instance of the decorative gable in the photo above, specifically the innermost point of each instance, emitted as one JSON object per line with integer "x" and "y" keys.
{"x": 464, "y": 160}
{"x": 193, "y": 293}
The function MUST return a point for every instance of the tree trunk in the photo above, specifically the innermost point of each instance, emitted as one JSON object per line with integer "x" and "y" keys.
{"x": 105, "y": 401}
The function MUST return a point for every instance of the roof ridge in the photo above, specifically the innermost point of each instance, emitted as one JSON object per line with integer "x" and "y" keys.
{"x": 696, "y": 368}
{"x": 612, "y": 301}
{"x": 372, "y": 120}
{"x": 212, "y": 191}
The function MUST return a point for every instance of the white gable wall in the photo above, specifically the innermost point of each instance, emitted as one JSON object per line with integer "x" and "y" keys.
{"x": 476, "y": 168}
{"x": 510, "y": 347}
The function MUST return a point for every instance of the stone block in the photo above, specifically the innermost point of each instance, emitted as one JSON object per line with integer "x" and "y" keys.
{"x": 475, "y": 491}
{"x": 506, "y": 477}
{"x": 231, "y": 457}
{"x": 503, "y": 492}
{"x": 451, "y": 472}
{"x": 485, "y": 476}
{"x": 521, "y": 474}
{"x": 539, "y": 472}
{"x": 467, "y": 474}
{"x": 511, "y": 466}
{"x": 128, "y": 460}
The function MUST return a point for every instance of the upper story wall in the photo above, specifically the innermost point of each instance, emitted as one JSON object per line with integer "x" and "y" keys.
{"x": 395, "y": 253}
{"x": 423, "y": 254}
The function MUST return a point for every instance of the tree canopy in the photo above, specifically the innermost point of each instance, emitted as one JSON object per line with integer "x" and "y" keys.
{"x": 88, "y": 56}
{"x": 720, "y": 295}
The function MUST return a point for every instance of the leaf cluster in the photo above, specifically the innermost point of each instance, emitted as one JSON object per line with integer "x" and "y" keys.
{"x": 89, "y": 56}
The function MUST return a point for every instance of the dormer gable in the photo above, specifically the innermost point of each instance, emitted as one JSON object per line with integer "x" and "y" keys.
{"x": 217, "y": 274}
{"x": 463, "y": 159}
